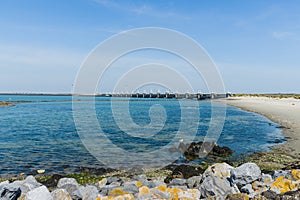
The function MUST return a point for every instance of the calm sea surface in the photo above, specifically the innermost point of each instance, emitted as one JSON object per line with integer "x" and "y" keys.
{"x": 39, "y": 131}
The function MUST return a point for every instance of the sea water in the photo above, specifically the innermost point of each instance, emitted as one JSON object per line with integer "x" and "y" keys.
{"x": 39, "y": 132}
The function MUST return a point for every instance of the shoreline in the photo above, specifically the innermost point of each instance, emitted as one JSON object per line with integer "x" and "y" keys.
{"x": 3, "y": 103}
{"x": 285, "y": 112}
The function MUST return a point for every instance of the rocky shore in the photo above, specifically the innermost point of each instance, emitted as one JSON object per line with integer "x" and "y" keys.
{"x": 2, "y": 103}
{"x": 218, "y": 181}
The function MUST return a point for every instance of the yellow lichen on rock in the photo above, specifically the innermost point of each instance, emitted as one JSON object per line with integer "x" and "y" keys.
{"x": 258, "y": 187}
{"x": 144, "y": 190}
{"x": 174, "y": 193}
{"x": 124, "y": 197}
{"x": 120, "y": 197}
{"x": 117, "y": 192}
{"x": 296, "y": 174}
{"x": 162, "y": 188}
{"x": 138, "y": 184}
{"x": 283, "y": 185}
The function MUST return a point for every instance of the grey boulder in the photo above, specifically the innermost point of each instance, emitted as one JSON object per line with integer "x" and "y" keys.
{"x": 245, "y": 174}
{"x": 194, "y": 182}
{"x": 130, "y": 187}
{"x": 89, "y": 192}
{"x": 27, "y": 185}
{"x": 40, "y": 193}
{"x": 215, "y": 187}
{"x": 178, "y": 181}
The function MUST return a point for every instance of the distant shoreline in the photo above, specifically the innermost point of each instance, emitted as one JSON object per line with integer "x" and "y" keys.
{"x": 3, "y": 103}
{"x": 271, "y": 95}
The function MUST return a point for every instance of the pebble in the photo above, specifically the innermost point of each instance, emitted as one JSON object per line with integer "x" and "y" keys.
{"x": 40, "y": 171}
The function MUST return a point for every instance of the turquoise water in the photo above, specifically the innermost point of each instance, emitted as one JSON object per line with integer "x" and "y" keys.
{"x": 39, "y": 131}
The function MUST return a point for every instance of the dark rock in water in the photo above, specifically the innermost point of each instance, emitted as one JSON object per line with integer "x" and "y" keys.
{"x": 52, "y": 181}
{"x": 215, "y": 152}
{"x": 222, "y": 151}
{"x": 194, "y": 149}
{"x": 95, "y": 171}
{"x": 183, "y": 171}
{"x": 10, "y": 192}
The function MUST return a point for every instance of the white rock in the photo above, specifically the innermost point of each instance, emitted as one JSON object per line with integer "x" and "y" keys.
{"x": 66, "y": 181}
{"x": 4, "y": 183}
{"x": 40, "y": 193}
{"x": 221, "y": 170}
{"x": 40, "y": 171}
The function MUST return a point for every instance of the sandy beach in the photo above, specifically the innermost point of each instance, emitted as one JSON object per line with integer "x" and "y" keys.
{"x": 285, "y": 112}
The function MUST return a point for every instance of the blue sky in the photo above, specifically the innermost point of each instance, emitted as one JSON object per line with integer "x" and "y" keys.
{"x": 255, "y": 44}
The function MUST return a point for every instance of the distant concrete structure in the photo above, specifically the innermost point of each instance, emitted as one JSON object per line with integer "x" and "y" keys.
{"x": 167, "y": 95}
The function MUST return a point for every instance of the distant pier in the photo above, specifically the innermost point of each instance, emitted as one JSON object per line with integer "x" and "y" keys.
{"x": 198, "y": 96}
